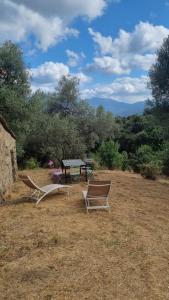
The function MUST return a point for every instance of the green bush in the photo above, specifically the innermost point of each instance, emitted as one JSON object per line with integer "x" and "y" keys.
{"x": 150, "y": 170}
{"x": 31, "y": 163}
{"x": 134, "y": 165}
{"x": 143, "y": 156}
{"x": 110, "y": 156}
{"x": 165, "y": 161}
{"x": 125, "y": 161}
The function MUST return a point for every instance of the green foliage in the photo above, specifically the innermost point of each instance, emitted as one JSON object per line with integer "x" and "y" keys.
{"x": 84, "y": 118}
{"x": 145, "y": 154}
{"x": 125, "y": 161}
{"x": 54, "y": 137}
{"x": 159, "y": 84}
{"x": 159, "y": 75}
{"x": 14, "y": 89}
{"x": 150, "y": 170}
{"x": 110, "y": 156}
{"x": 165, "y": 159}
{"x": 105, "y": 126}
{"x": 66, "y": 97}
{"x": 13, "y": 72}
{"x": 31, "y": 163}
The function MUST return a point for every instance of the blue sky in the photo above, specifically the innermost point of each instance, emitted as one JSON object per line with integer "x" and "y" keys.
{"x": 109, "y": 45}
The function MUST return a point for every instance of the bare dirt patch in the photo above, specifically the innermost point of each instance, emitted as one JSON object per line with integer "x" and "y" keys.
{"x": 57, "y": 251}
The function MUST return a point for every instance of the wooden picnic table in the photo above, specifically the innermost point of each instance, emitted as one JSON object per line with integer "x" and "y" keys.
{"x": 73, "y": 163}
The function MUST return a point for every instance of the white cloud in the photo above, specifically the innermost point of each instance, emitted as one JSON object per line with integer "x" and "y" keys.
{"x": 17, "y": 23}
{"x": 65, "y": 8}
{"x": 127, "y": 89}
{"x": 123, "y": 65}
{"x": 105, "y": 43}
{"x": 143, "y": 62}
{"x": 145, "y": 38}
{"x": 109, "y": 64}
{"x": 82, "y": 77}
{"x": 47, "y": 21}
{"x": 74, "y": 58}
{"x": 130, "y": 50}
{"x": 47, "y": 75}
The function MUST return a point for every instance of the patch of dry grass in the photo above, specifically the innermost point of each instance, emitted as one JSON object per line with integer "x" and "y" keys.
{"x": 57, "y": 251}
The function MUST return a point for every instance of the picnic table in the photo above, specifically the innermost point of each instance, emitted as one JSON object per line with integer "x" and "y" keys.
{"x": 73, "y": 163}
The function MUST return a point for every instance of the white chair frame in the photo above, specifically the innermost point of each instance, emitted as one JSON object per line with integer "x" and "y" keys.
{"x": 40, "y": 192}
{"x": 88, "y": 199}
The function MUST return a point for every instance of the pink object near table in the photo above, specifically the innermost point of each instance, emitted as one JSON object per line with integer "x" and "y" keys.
{"x": 57, "y": 175}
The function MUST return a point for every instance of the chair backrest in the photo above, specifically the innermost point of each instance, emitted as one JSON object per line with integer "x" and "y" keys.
{"x": 98, "y": 188}
{"x": 29, "y": 182}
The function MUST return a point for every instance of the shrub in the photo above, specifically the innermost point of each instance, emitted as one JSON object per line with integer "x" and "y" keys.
{"x": 110, "y": 156}
{"x": 165, "y": 161}
{"x": 143, "y": 156}
{"x": 134, "y": 165}
{"x": 150, "y": 170}
{"x": 125, "y": 161}
{"x": 31, "y": 163}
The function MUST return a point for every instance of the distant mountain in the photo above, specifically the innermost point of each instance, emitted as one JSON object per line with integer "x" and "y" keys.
{"x": 118, "y": 108}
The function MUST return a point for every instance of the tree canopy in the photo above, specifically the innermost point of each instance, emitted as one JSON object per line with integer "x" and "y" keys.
{"x": 159, "y": 78}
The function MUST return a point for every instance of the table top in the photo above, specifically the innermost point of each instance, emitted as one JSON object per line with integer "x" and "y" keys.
{"x": 88, "y": 160}
{"x": 73, "y": 162}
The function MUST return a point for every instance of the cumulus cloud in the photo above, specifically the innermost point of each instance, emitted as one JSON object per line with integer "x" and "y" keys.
{"x": 65, "y": 8}
{"x": 146, "y": 37}
{"x": 105, "y": 43}
{"x": 110, "y": 65}
{"x": 47, "y": 75}
{"x": 82, "y": 78}
{"x": 130, "y": 49}
{"x": 18, "y": 22}
{"x": 122, "y": 65}
{"x": 74, "y": 58}
{"x": 128, "y": 89}
{"x": 47, "y": 21}
{"x": 49, "y": 72}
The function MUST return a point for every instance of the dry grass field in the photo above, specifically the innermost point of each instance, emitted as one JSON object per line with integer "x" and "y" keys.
{"x": 57, "y": 251}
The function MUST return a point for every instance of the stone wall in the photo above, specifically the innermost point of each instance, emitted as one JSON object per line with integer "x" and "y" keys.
{"x": 8, "y": 164}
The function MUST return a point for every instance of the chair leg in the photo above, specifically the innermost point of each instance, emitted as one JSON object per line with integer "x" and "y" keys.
{"x": 86, "y": 204}
{"x": 107, "y": 203}
{"x": 41, "y": 198}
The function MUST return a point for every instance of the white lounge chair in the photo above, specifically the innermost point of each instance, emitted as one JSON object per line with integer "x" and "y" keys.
{"x": 97, "y": 191}
{"x": 40, "y": 192}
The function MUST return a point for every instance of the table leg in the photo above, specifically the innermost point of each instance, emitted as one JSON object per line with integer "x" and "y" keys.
{"x": 65, "y": 176}
{"x": 86, "y": 175}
